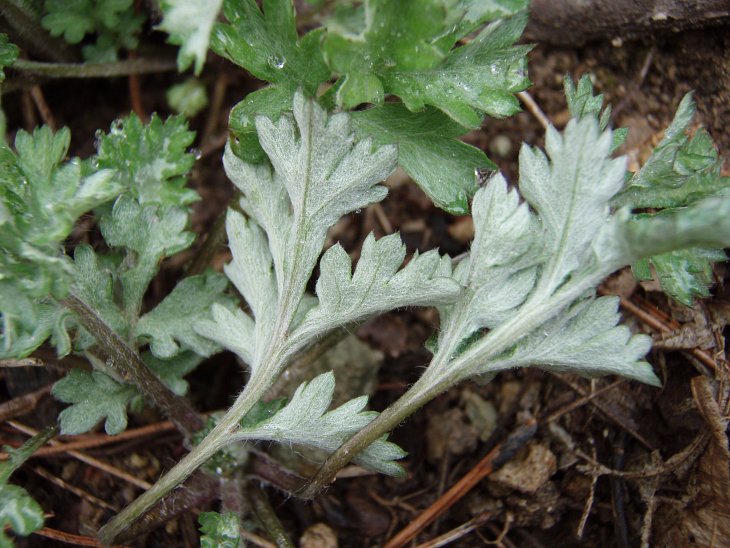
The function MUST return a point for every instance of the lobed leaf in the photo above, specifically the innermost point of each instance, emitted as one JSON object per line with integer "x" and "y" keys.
{"x": 570, "y": 192}
{"x": 94, "y": 396}
{"x": 113, "y": 21}
{"x": 377, "y": 285}
{"x": 405, "y": 50}
{"x": 190, "y": 24}
{"x": 681, "y": 171}
{"x": 220, "y": 530}
{"x": 585, "y": 340}
{"x": 169, "y": 326}
{"x": 428, "y": 150}
{"x": 151, "y": 160}
{"x": 149, "y": 233}
{"x": 305, "y": 420}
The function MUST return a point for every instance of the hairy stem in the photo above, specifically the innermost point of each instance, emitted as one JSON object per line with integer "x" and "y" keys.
{"x": 444, "y": 373}
{"x": 95, "y": 70}
{"x": 213, "y": 442}
{"x": 268, "y": 518}
{"x": 130, "y": 367}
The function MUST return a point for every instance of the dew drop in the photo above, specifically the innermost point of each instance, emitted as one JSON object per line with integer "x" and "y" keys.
{"x": 197, "y": 153}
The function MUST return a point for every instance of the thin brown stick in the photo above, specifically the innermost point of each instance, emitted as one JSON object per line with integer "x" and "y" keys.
{"x": 534, "y": 108}
{"x": 45, "y": 474}
{"x": 43, "y": 109}
{"x": 490, "y": 463}
{"x": 100, "y": 440}
{"x": 70, "y": 538}
{"x": 582, "y": 401}
{"x": 458, "y": 532}
{"x": 91, "y": 461}
{"x": 606, "y": 411}
{"x": 22, "y": 405}
{"x": 214, "y": 112}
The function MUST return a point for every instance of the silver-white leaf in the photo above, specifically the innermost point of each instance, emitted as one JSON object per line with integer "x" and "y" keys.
{"x": 571, "y": 193}
{"x": 377, "y": 285}
{"x": 585, "y": 340}
{"x": 306, "y": 421}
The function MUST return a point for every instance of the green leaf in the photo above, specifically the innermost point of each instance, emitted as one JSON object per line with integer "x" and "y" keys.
{"x": 263, "y": 410}
{"x": 582, "y": 102}
{"x": 172, "y": 371}
{"x": 681, "y": 171}
{"x": 306, "y": 421}
{"x": 40, "y": 199}
{"x": 27, "y": 323}
{"x": 114, "y": 22}
{"x": 268, "y": 46}
{"x": 149, "y": 233}
{"x": 428, "y": 150}
{"x": 188, "y": 98}
{"x": 687, "y": 273}
{"x": 18, "y": 512}
{"x": 570, "y": 192}
{"x": 405, "y": 50}
{"x": 270, "y": 102}
{"x": 220, "y": 530}
{"x": 93, "y": 396}
{"x": 495, "y": 275}
{"x": 151, "y": 160}
{"x": 8, "y": 54}
{"x": 189, "y": 24}
{"x": 94, "y": 285}
{"x": 169, "y": 326}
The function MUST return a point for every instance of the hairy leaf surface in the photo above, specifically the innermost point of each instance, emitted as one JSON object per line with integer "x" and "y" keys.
{"x": 151, "y": 160}
{"x": 169, "y": 326}
{"x": 94, "y": 396}
{"x": 189, "y": 24}
{"x": 306, "y": 421}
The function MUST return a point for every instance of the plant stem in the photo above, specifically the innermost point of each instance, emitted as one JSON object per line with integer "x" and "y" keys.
{"x": 19, "y": 456}
{"x": 444, "y": 373}
{"x": 130, "y": 367}
{"x": 268, "y": 518}
{"x": 213, "y": 442}
{"x": 95, "y": 70}
{"x": 30, "y": 35}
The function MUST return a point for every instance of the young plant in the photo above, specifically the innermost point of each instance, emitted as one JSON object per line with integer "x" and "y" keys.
{"x": 318, "y": 173}
{"x": 529, "y": 280}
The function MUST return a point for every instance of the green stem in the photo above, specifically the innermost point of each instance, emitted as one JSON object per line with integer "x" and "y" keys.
{"x": 213, "y": 442}
{"x": 268, "y": 518}
{"x": 130, "y": 367}
{"x": 23, "y": 453}
{"x": 95, "y": 70}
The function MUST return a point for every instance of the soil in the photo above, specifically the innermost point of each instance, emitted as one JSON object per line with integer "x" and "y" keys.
{"x": 630, "y": 466}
